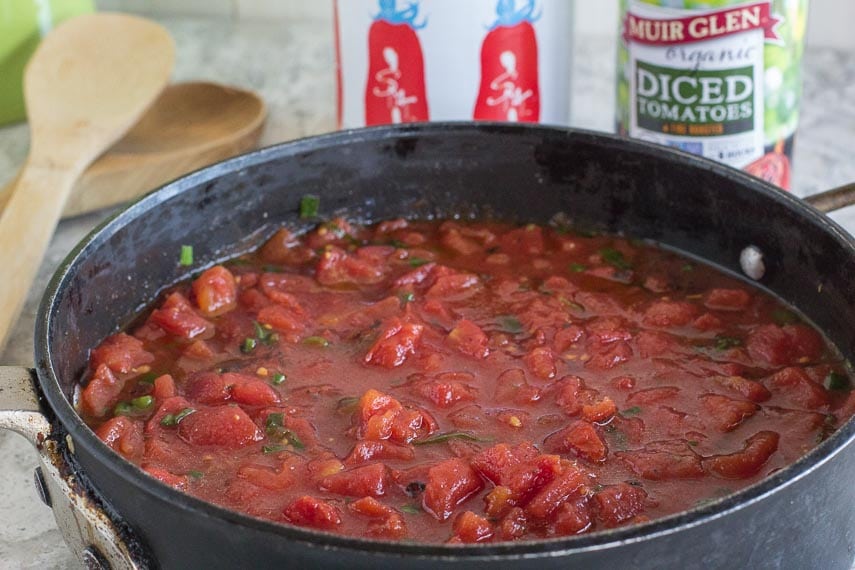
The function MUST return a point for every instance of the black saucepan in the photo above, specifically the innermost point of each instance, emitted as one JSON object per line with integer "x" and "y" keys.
{"x": 801, "y": 517}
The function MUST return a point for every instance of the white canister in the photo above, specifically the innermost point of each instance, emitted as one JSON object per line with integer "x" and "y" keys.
{"x": 432, "y": 60}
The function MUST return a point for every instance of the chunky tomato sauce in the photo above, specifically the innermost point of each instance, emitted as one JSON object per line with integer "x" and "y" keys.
{"x": 464, "y": 382}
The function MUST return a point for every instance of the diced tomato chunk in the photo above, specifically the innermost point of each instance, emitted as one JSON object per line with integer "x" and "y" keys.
{"x": 755, "y": 453}
{"x": 215, "y": 291}
{"x": 663, "y": 464}
{"x": 707, "y": 322}
{"x": 468, "y": 338}
{"x": 164, "y": 387}
{"x": 497, "y": 462}
{"x": 599, "y": 411}
{"x": 207, "y": 388}
{"x": 606, "y": 357}
{"x": 312, "y": 512}
{"x": 456, "y": 242}
{"x": 670, "y": 314}
{"x": 778, "y": 346}
{"x": 726, "y": 413}
{"x": 176, "y": 481}
{"x": 198, "y": 350}
{"x": 177, "y": 317}
{"x": 616, "y": 504}
{"x": 337, "y": 266}
{"x": 523, "y": 241}
{"x": 446, "y": 394}
{"x": 121, "y": 353}
{"x": 369, "y": 480}
{"x": 513, "y": 526}
{"x": 541, "y": 361}
{"x": 249, "y": 390}
{"x": 448, "y": 484}
{"x": 226, "y": 426}
{"x": 573, "y": 517}
{"x": 124, "y": 436}
{"x": 794, "y": 385}
{"x": 727, "y": 299}
{"x": 282, "y": 319}
{"x": 580, "y": 438}
{"x": 101, "y": 393}
{"x": 454, "y": 285}
{"x": 569, "y": 481}
{"x": 470, "y": 528}
{"x": 275, "y": 479}
{"x": 395, "y": 344}
{"x": 382, "y": 417}
{"x": 754, "y": 391}
{"x": 365, "y": 451}
{"x": 653, "y": 396}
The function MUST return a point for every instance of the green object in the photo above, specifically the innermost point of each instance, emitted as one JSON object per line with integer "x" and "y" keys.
{"x": 186, "y": 255}
{"x": 23, "y": 23}
{"x": 309, "y": 206}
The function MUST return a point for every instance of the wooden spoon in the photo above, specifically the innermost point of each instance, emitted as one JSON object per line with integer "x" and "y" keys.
{"x": 189, "y": 126}
{"x": 86, "y": 84}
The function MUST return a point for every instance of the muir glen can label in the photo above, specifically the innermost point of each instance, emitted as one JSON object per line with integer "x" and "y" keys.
{"x": 402, "y": 61}
{"x": 719, "y": 79}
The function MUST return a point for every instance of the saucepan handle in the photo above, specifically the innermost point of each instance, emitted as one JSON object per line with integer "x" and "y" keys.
{"x": 87, "y": 529}
{"x": 833, "y": 199}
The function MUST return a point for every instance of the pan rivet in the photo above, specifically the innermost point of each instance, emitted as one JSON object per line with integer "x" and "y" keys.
{"x": 93, "y": 560}
{"x": 41, "y": 486}
{"x": 751, "y": 261}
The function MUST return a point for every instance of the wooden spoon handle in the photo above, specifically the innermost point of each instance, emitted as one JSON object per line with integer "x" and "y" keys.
{"x": 26, "y": 226}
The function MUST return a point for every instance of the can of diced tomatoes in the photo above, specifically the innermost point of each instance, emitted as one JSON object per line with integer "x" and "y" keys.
{"x": 719, "y": 78}
{"x": 403, "y": 61}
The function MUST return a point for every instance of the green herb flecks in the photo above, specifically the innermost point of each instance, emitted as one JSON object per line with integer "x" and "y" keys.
{"x": 273, "y": 448}
{"x": 406, "y": 297}
{"x": 186, "y": 258}
{"x": 170, "y": 420}
{"x": 417, "y": 261}
{"x": 629, "y": 412}
{"x": 723, "y": 342}
{"x": 509, "y": 324}
{"x": 688, "y": 268}
{"x": 346, "y": 406}
{"x": 148, "y": 378}
{"x": 275, "y": 429}
{"x": 248, "y": 345}
{"x": 784, "y": 317}
{"x": 318, "y": 341}
{"x": 837, "y": 382}
{"x": 309, "y": 206}
{"x": 278, "y": 378}
{"x": 195, "y": 474}
{"x": 265, "y": 335}
{"x": 572, "y": 305}
{"x": 577, "y": 267}
{"x": 410, "y": 509}
{"x": 447, "y": 436}
{"x": 615, "y": 258}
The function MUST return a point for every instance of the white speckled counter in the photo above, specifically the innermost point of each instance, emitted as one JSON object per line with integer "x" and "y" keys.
{"x": 291, "y": 65}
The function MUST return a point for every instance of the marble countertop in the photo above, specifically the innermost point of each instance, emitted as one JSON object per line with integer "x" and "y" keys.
{"x": 291, "y": 65}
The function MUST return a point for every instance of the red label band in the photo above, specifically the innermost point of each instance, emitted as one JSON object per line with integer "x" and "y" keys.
{"x": 640, "y": 29}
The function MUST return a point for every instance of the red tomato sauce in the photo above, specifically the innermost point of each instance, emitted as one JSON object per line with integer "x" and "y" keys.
{"x": 464, "y": 382}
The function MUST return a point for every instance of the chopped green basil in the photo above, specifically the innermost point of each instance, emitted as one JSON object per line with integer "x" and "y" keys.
{"x": 273, "y": 448}
{"x": 443, "y": 437}
{"x": 417, "y": 261}
{"x": 347, "y": 405}
{"x": 510, "y": 324}
{"x": 837, "y": 381}
{"x": 410, "y": 509}
{"x": 148, "y": 378}
{"x": 398, "y": 244}
{"x": 174, "y": 419}
{"x": 692, "y": 442}
{"x": 142, "y": 403}
{"x": 614, "y": 258}
{"x": 278, "y": 378}
{"x": 688, "y": 268}
{"x": 316, "y": 341}
{"x": 723, "y": 342}
{"x": 407, "y": 297}
{"x": 309, "y": 206}
{"x": 195, "y": 474}
{"x": 633, "y": 411}
{"x": 784, "y": 317}
{"x": 273, "y": 421}
{"x": 264, "y": 335}
{"x": 248, "y": 345}
{"x": 577, "y": 267}
{"x": 186, "y": 255}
